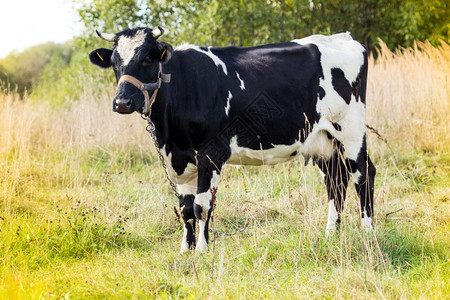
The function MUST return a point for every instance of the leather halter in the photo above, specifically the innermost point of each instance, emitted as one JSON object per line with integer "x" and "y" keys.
{"x": 145, "y": 87}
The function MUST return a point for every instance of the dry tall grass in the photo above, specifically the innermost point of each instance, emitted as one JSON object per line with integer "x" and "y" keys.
{"x": 88, "y": 122}
{"x": 408, "y": 95}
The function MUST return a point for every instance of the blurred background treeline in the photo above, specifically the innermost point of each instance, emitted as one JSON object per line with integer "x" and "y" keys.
{"x": 56, "y": 72}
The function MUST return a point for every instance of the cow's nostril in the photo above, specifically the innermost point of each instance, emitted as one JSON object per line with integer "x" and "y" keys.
{"x": 128, "y": 103}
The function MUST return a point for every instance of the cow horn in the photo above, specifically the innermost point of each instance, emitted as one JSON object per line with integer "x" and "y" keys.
{"x": 106, "y": 36}
{"x": 158, "y": 32}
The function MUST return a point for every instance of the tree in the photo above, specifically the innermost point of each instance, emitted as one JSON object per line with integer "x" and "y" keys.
{"x": 24, "y": 69}
{"x": 252, "y": 22}
{"x": 424, "y": 20}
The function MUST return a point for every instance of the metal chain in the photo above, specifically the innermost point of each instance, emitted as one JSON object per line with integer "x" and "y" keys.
{"x": 152, "y": 130}
{"x": 227, "y": 233}
{"x": 213, "y": 208}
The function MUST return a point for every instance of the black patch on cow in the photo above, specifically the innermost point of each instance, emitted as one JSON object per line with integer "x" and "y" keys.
{"x": 359, "y": 87}
{"x": 187, "y": 206}
{"x": 294, "y": 153}
{"x": 198, "y": 211}
{"x": 330, "y": 137}
{"x": 341, "y": 84}
{"x": 321, "y": 93}
{"x": 262, "y": 110}
{"x": 337, "y": 126}
{"x": 352, "y": 165}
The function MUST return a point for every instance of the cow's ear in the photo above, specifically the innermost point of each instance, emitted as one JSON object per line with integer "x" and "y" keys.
{"x": 101, "y": 57}
{"x": 165, "y": 50}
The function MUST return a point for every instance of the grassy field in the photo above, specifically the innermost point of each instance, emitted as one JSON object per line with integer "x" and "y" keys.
{"x": 86, "y": 212}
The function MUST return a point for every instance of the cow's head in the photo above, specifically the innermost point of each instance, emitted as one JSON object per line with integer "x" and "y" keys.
{"x": 136, "y": 58}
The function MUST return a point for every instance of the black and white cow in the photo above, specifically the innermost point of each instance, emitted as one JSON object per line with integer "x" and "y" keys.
{"x": 247, "y": 106}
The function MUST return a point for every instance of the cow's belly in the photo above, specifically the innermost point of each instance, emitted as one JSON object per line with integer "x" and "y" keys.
{"x": 317, "y": 145}
{"x": 275, "y": 155}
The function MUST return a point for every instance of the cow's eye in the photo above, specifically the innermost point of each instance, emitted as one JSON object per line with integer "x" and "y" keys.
{"x": 146, "y": 62}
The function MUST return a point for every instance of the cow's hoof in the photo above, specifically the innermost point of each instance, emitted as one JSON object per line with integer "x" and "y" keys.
{"x": 368, "y": 228}
{"x": 184, "y": 249}
{"x": 330, "y": 232}
{"x": 201, "y": 248}
{"x": 367, "y": 224}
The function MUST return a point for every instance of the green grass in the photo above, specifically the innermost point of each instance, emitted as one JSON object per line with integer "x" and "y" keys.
{"x": 103, "y": 226}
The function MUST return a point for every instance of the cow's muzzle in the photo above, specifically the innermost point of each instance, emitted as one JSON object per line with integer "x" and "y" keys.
{"x": 122, "y": 106}
{"x": 126, "y": 106}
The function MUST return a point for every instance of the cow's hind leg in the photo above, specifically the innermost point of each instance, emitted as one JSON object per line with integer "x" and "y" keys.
{"x": 363, "y": 172}
{"x": 364, "y": 178}
{"x": 336, "y": 178}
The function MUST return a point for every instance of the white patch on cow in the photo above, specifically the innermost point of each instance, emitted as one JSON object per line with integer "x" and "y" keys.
{"x": 227, "y": 108}
{"x": 317, "y": 145}
{"x": 332, "y": 218}
{"x": 184, "y": 47}
{"x": 184, "y": 243}
{"x": 366, "y": 222}
{"x": 204, "y": 199}
{"x": 202, "y": 245}
{"x": 353, "y": 124}
{"x": 209, "y": 53}
{"x": 215, "y": 179}
{"x": 356, "y": 176}
{"x": 189, "y": 187}
{"x": 241, "y": 81}
{"x": 337, "y": 51}
{"x": 321, "y": 173}
{"x": 187, "y": 181}
{"x": 127, "y": 45}
{"x": 246, "y": 156}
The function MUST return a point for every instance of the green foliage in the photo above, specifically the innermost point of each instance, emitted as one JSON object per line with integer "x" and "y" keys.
{"x": 112, "y": 15}
{"x": 367, "y": 20}
{"x": 4, "y": 75}
{"x": 23, "y": 70}
{"x": 425, "y": 20}
{"x": 63, "y": 82}
{"x": 253, "y": 22}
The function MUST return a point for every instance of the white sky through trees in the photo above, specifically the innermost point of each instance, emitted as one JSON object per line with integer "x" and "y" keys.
{"x": 25, "y": 23}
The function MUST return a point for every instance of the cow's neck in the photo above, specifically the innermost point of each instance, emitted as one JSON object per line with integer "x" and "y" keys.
{"x": 159, "y": 116}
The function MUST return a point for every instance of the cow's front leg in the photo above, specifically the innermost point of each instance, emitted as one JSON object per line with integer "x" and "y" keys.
{"x": 202, "y": 206}
{"x": 187, "y": 212}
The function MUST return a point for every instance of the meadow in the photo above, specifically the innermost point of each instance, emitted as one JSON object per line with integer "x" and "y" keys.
{"x": 86, "y": 211}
